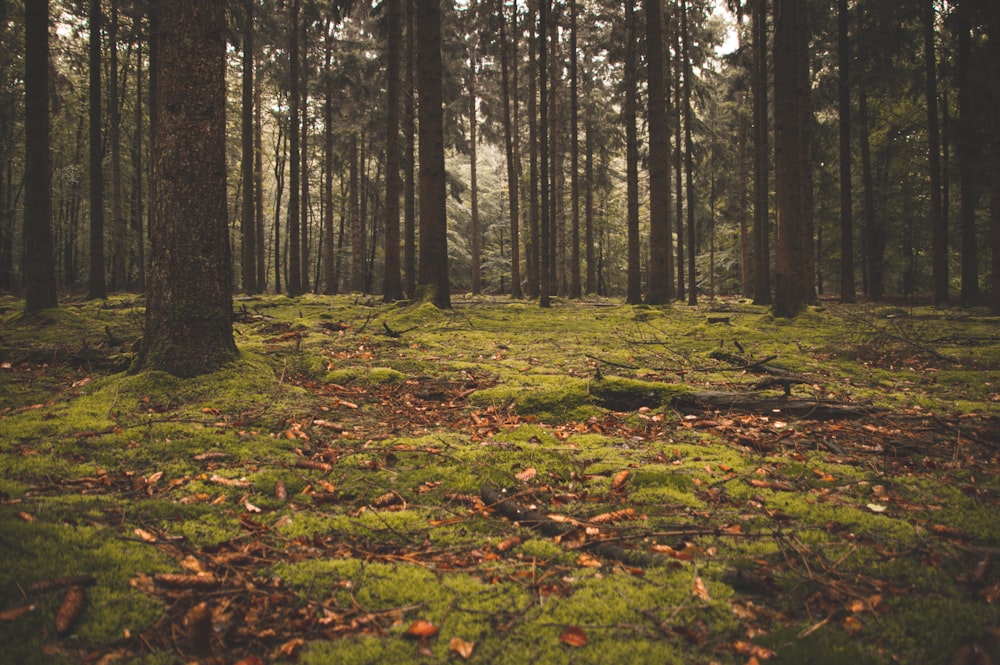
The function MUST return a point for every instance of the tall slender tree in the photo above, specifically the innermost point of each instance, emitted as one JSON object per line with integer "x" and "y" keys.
{"x": 392, "y": 285}
{"x": 409, "y": 186}
{"x": 574, "y": 172}
{"x": 938, "y": 223}
{"x": 433, "y": 272}
{"x": 968, "y": 158}
{"x": 188, "y": 327}
{"x": 508, "y": 74}
{"x": 761, "y": 223}
{"x": 847, "y": 287}
{"x": 97, "y": 284}
{"x": 294, "y": 284}
{"x": 633, "y": 293}
{"x": 545, "y": 272}
{"x": 692, "y": 295}
{"x": 119, "y": 254}
{"x": 39, "y": 259}
{"x": 995, "y": 168}
{"x": 248, "y": 229}
{"x": 660, "y": 288}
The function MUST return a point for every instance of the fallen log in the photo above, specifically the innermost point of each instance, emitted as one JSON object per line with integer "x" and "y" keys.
{"x": 819, "y": 409}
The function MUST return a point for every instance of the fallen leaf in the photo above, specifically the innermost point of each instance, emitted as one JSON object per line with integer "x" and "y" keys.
{"x": 588, "y": 561}
{"x": 527, "y": 475}
{"x": 459, "y": 646}
{"x": 421, "y": 629}
{"x": 700, "y": 590}
{"x": 876, "y": 507}
{"x": 852, "y": 625}
{"x": 145, "y": 535}
{"x": 619, "y": 480}
{"x": 14, "y": 613}
{"x": 574, "y": 637}
{"x": 27, "y": 517}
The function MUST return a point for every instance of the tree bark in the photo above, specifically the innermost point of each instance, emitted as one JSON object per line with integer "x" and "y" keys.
{"x": 574, "y": 131}
{"x": 433, "y": 276}
{"x": 474, "y": 233}
{"x": 660, "y": 288}
{"x": 409, "y": 193}
{"x": 938, "y": 222}
{"x": 692, "y": 297}
{"x": 356, "y": 224}
{"x": 508, "y": 74}
{"x": 188, "y": 327}
{"x": 97, "y": 284}
{"x": 120, "y": 241}
{"x": 329, "y": 260}
{"x": 967, "y": 160}
{"x": 39, "y": 259}
{"x": 994, "y": 29}
{"x": 633, "y": 293}
{"x": 248, "y": 230}
{"x": 392, "y": 286}
{"x": 532, "y": 260}
{"x": 544, "y": 277}
{"x": 294, "y": 285}
{"x": 794, "y": 285}
{"x": 847, "y": 286}
{"x": 761, "y": 225}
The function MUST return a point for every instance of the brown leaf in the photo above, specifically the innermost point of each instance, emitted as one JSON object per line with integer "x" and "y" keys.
{"x": 619, "y": 480}
{"x": 852, "y": 625}
{"x": 527, "y": 475}
{"x": 198, "y": 622}
{"x": 459, "y": 646}
{"x": 700, "y": 590}
{"x": 421, "y": 629}
{"x": 388, "y": 499}
{"x": 27, "y": 517}
{"x": 588, "y": 561}
{"x": 145, "y": 535}
{"x": 280, "y": 491}
{"x": 70, "y": 609}
{"x": 574, "y": 637}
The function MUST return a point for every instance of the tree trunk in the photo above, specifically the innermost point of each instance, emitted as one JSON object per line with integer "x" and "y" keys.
{"x": 967, "y": 160}
{"x": 392, "y": 286}
{"x": 248, "y": 230}
{"x": 692, "y": 298}
{"x": 97, "y": 285}
{"x": 409, "y": 194}
{"x": 873, "y": 245}
{"x": 120, "y": 241}
{"x": 357, "y": 280}
{"x": 995, "y": 168}
{"x": 39, "y": 259}
{"x": 330, "y": 274}
{"x": 633, "y": 292}
{"x": 304, "y": 201}
{"x": 532, "y": 258}
{"x": 294, "y": 285}
{"x": 508, "y": 62}
{"x": 258, "y": 176}
{"x": 545, "y": 274}
{"x": 794, "y": 286}
{"x": 279, "y": 177}
{"x": 574, "y": 147}
{"x": 588, "y": 208}
{"x": 678, "y": 92}
{"x": 761, "y": 230}
{"x": 557, "y": 202}
{"x": 938, "y": 223}
{"x": 138, "y": 165}
{"x": 477, "y": 285}
{"x": 189, "y": 304}
{"x": 847, "y": 286}
{"x": 660, "y": 287}
{"x": 433, "y": 214}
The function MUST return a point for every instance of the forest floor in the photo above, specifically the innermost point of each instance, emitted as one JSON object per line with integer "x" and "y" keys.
{"x": 497, "y": 483}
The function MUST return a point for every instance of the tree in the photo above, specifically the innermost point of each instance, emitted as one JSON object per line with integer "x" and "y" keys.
{"x": 761, "y": 227}
{"x": 939, "y": 225}
{"x": 120, "y": 240}
{"x": 508, "y": 73}
{"x": 248, "y": 227}
{"x": 995, "y": 169}
{"x": 968, "y": 158}
{"x": 793, "y": 277}
{"x": 544, "y": 151}
{"x": 392, "y": 286}
{"x": 574, "y": 132}
{"x": 294, "y": 285}
{"x": 39, "y": 260}
{"x": 660, "y": 288}
{"x": 189, "y": 328}
{"x": 97, "y": 285}
{"x": 692, "y": 298}
{"x": 433, "y": 272}
{"x": 633, "y": 294}
{"x": 847, "y": 287}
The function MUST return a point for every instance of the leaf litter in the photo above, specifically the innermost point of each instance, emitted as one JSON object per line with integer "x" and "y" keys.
{"x": 745, "y": 525}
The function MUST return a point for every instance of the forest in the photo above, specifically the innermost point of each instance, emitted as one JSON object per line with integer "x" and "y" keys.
{"x": 557, "y": 332}
{"x": 650, "y": 178}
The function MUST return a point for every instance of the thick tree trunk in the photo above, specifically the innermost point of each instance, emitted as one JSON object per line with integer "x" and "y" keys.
{"x": 189, "y": 304}
{"x": 847, "y": 286}
{"x": 392, "y": 286}
{"x": 660, "y": 287}
{"x": 97, "y": 284}
{"x": 794, "y": 285}
{"x": 633, "y": 292}
{"x": 39, "y": 259}
{"x": 433, "y": 214}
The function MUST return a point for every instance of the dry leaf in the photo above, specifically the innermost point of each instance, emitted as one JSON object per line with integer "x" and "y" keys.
{"x": 70, "y": 609}
{"x": 459, "y": 646}
{"x": 573, "y": 636}
{"x": 852, "y": 625}
{"x": 27, "y": 517}
{"x": 280, "y": 491}
{"x": 14, "y": 613}
{"x": 699, "y": 589}
{"x": 619, "y": 480}
{"x": 145, "y": 535}
{"x": 588, "y": 561}
{"x": 527, "y": 474}
{"x": 421, "y": 629}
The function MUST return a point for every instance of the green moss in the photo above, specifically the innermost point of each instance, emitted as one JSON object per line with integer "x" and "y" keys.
{"x": 374, "y": 376}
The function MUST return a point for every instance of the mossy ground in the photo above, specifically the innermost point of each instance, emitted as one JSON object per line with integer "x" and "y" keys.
{"x": 329, "y": 478}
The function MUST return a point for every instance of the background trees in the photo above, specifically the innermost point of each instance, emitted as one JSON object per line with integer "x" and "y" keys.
{"x": 900, "y": 202}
